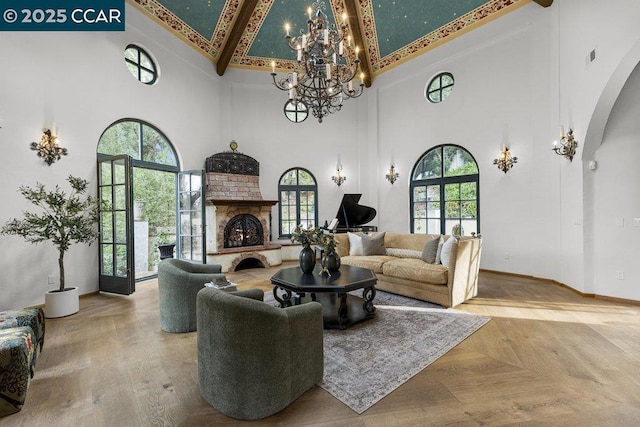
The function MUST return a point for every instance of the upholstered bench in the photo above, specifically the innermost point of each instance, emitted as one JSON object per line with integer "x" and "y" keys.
{"x": 31, "y": 317}
{"x": 17, "y": 352}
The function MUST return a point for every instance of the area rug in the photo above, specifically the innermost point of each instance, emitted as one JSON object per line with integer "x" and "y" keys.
{"x": 369, "y": 360}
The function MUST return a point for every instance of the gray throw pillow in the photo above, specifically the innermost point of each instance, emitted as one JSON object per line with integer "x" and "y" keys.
{"x": 373, "y": 245}
{"x": 430, "y": 250}
{"x": 449, "y": 249}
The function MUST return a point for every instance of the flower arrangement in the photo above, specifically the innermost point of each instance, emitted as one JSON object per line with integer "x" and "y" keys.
{"x": 313, "y": 236}
{"x": 306, "y": 237}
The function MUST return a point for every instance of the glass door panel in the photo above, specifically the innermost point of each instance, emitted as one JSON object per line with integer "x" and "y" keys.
{"x": 191, "y": 217}
{"x": 116, "y": 245}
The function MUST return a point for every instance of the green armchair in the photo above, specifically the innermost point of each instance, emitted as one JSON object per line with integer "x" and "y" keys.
{"x": 255, "y": 359}
{"x": 178, "y": 284}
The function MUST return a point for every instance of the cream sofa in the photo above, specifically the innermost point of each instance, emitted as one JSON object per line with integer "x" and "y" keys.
{"x": 408, "y": 275}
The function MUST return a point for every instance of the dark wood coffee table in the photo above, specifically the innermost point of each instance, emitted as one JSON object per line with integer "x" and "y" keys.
{"x": 340, "y": 309}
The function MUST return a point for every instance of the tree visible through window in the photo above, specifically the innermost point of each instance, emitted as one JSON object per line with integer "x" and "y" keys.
{"x": 445, "y": 192}
{"x": 298, "y": 201}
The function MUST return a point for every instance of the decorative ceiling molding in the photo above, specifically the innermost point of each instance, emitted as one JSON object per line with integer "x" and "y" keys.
{"x": 233, "y": 40}
{"x": 355, "y": 26}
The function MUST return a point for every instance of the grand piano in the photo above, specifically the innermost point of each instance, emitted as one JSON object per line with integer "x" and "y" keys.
{"x": 352, "y": 216}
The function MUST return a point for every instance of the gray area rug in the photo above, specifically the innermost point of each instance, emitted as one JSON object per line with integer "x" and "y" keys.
{"x": 369, "y": 360}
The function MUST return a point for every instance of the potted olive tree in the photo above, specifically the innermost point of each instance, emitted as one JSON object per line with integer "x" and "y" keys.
{"x": 62, "y": 219}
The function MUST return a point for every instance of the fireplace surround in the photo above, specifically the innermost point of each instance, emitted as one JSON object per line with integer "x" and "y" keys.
{"x": 238, "y": 218}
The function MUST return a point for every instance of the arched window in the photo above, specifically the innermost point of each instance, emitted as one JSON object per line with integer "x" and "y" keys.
{"x": 445, "y": 192}
{"x": 140, "y": 140}
{"x": 298, "y": 201}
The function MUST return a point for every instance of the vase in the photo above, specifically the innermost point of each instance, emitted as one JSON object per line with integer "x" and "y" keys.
{"x": 61, "y": 304}
{"x": 307, "y": 259}
{"x": 331, "y": 261}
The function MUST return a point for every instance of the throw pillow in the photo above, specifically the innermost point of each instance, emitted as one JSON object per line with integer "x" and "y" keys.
{"x": 404, "y": 253}
{"x": 430, "y": 250}
{"x": 449, "y": 249}
{"x": 373, "y": 245}
{"x": 355, "y": 244}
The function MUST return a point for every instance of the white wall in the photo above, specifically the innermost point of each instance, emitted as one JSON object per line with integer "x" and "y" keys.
{"x": 77, "y": 83}
{"x": 517, "y": 80}
{"x": 616, "y": 198}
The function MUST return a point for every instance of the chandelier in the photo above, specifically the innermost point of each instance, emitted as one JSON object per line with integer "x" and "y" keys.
{"x": 48, "y": 148}
{"x": 327, "y": 63}
{"x": 568, "y": 145}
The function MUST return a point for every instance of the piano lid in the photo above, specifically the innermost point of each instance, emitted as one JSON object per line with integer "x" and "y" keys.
{"x": 351, "y": 214}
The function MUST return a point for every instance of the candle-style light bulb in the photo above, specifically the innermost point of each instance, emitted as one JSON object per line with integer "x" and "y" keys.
{"x": 287, "y": 27}
{"x": 309, "y": 11}
{"x": 273, "y": 66}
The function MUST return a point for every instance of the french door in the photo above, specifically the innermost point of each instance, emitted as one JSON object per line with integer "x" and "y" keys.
{"x": 191, "y": 231}
{"x": 116, "y": 242}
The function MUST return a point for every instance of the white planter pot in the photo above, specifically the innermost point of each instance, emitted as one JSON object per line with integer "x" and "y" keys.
{"x": 60, "y": 304}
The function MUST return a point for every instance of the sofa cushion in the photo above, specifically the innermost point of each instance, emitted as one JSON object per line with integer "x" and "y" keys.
{"x": 404, "y": 253}
{"x": 372, "y": 262}
{"x": 355, "y": 244}
{"x": 373, "y": 245}
{"x": 449, "y": 249}
{"x": 430, "y": 250}
{"x": 416, "y": 269}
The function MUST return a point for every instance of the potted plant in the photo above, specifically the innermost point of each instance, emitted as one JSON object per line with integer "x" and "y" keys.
{"x": 64, "y": 219}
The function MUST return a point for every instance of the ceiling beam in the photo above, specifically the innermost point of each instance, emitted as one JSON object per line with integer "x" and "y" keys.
{"x": 544, "y": 3}
{"x": 229, "y": 48}
{"x": 356, "y": 31}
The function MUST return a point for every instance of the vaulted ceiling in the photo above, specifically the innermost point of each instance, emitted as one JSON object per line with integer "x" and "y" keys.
{"x": 250, "y": 33}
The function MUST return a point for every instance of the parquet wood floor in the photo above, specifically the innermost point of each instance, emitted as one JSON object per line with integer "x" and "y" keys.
{"x": 548, "y": 357}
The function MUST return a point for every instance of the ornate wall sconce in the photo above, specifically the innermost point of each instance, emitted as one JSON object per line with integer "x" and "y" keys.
{"x": 337, "y": 178}
{"x": 505, "y": 161}
{"x": 48, "y": 148}
{"x": 568, "y": 145}
{"x": 392, "y": 175}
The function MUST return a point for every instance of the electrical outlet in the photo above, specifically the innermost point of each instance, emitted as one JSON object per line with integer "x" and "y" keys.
{"x": 50, "y": 280}
{"x": 619, "y": 222}
{"x": 507, "y": 256}
{"x": 636, "y": 222}
{"x": 620, "y": 275}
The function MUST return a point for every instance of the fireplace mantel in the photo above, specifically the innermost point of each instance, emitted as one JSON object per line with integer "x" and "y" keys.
{"x": 238, "y": 202}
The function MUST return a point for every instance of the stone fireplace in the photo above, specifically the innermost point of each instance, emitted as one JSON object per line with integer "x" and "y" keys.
{"x": 238, "y": 218}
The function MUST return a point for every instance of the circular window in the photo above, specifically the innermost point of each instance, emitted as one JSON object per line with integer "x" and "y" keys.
{"x": 440, "y": 87}
{"x": 140, "y": 64}
{"x": 296, "y": 111}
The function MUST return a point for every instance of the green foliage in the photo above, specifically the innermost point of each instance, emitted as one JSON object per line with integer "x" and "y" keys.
{"x": 64, "y": 218}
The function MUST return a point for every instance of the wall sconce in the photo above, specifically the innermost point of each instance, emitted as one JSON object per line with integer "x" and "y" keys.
{"x": 505, "y": 161}
{"x": 392, "y": 175}
{"x": 337, "y": 178}
{"x": 48, "y": 148}
{"x": 568, "y": 145}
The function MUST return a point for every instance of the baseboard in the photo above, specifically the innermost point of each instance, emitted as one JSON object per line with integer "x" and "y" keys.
{"x": 555, "y": 282}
